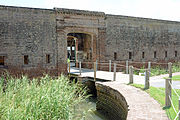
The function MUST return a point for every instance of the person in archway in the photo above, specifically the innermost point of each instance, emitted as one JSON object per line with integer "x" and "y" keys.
{"x": 69, "y": 55}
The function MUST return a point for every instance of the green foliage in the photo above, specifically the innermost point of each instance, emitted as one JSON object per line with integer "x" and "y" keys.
{"x": 45, "y": 98}
{"x": 176, "y": 68}
{"x": 159, "y": 95}
{"x": 158, "y": 70}
{"x": 141, "y": 70}
{"x": 176, "y": 78}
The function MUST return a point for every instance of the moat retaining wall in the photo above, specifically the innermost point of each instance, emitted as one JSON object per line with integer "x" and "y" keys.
{"x": 111, "y": 102}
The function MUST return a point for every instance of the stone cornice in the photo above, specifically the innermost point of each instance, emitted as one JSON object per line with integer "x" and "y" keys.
{"x": 79, "y": 12}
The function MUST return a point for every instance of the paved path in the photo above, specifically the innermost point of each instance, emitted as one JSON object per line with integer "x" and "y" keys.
{"x": 141, "y": 105}
{"x": 156, "y": 81}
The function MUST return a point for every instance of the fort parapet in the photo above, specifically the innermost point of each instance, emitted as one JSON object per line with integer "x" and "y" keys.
{"x": 43, "y": 38}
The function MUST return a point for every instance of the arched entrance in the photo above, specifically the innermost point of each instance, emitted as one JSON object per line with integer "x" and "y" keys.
{"x": 79, "y": 47}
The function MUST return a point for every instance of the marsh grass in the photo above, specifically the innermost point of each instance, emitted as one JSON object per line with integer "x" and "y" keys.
{"x": 43, "y": 98}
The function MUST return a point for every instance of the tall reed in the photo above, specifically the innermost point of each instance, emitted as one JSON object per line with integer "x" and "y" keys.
{"x": 46, "y": 98}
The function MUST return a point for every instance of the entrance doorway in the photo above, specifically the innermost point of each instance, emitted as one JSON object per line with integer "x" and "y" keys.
{"x": 79, "y": 47}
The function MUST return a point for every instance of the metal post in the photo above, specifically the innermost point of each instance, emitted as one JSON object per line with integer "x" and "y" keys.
{"x": 170, "y": 69}
{"x": 146, "y": 86}
{"x": 127, "y": 67}
{"x": 94, "y": 71}
{"x": 168, "y": 93}
{"x": 149, "y": 68}
{"x": 114, "y": 78}
{"x": 130, "y": 74}
{"x": 80, "y": 68}
{"x": 109, "y": 65}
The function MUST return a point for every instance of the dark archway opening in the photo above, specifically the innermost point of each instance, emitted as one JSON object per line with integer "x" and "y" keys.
{"x": 79, "y": 47}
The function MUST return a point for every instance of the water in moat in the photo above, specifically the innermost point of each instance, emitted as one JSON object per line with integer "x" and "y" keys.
{"x": 88, "y": 110}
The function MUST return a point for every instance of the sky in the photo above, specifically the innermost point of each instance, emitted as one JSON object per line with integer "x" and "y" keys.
{"x": 156, "y": 9}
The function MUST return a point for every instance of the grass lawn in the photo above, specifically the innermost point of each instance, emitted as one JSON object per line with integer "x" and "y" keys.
{"x": 158, "y": 70}
{"x": 176, "y": 78}
{"x": 159, "y": 95}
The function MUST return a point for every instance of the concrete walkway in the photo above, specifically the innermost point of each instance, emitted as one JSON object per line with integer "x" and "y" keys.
{"x": 156, "y": 81}
{"x": 141, "y": 105}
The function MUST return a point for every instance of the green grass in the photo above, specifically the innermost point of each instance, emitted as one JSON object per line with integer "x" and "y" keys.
{"x": 158, "y": 70}
{"x": 44, "y": 98}
{"x": 176, "y": 78}
{"x": 159, "y": 95}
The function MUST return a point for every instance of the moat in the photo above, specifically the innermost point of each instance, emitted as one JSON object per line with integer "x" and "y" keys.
{"x": 90, "y": 107}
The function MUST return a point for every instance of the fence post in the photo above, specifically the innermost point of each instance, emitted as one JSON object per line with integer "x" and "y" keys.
{"x": 114, "y": 78}
{"x": 94, "y": 71}
{"x": 179, "y": 109}
{"x": 109, "y": 65}
{"x": 170, "y": 69}
{"x": 168, "y": 92}
{"x": 127, "y": 71}
{"x": 149, "y": 68}
{"x": 96, "y": 65}
{"x": 69, "y": 66}
{"x": 146, "y": 86}
{"x": 130, "y": 74}
{"x": 80, "y": 67}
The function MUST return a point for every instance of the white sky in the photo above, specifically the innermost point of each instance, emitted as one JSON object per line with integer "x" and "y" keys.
{"x": 157, "y": 9}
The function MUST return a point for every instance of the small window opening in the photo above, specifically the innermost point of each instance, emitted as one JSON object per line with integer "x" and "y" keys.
{"x": 175, "y": 53}
{"x": 165, "y": 54}
{"x": 115, "y": 55}
{"x": 143, "y": 55}
{"x": 47, "y": 58}
{"x": 130, "y": 55}
{"x": 154, "y": 54}
{"x": 1, "y": 60}
{"x": 26, "y": 59}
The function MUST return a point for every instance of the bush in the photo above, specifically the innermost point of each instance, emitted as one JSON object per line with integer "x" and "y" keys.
{"x": 44, "y": 98}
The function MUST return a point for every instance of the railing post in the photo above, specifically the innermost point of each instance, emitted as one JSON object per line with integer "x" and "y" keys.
{"x": 109, "y": 65}
{"x": 170, "y": 69}
{"x": 69, "y": 66}
{"x": 179, "y": 109}
{"x": 127, "y": 71}
{"x": 80, "y": 67}
{"x": 114, "y": 78}
{"x": 130, "y": 74}
{"x": 94, "y": 71}
{"x": 146, "y": 86}
{"x": 96, "y": 65}
{"x": 149, "y": 68}
{"x": 168, "y": 92}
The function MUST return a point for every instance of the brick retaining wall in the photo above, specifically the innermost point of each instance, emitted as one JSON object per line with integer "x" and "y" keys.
{"x": 111, "y": 103}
